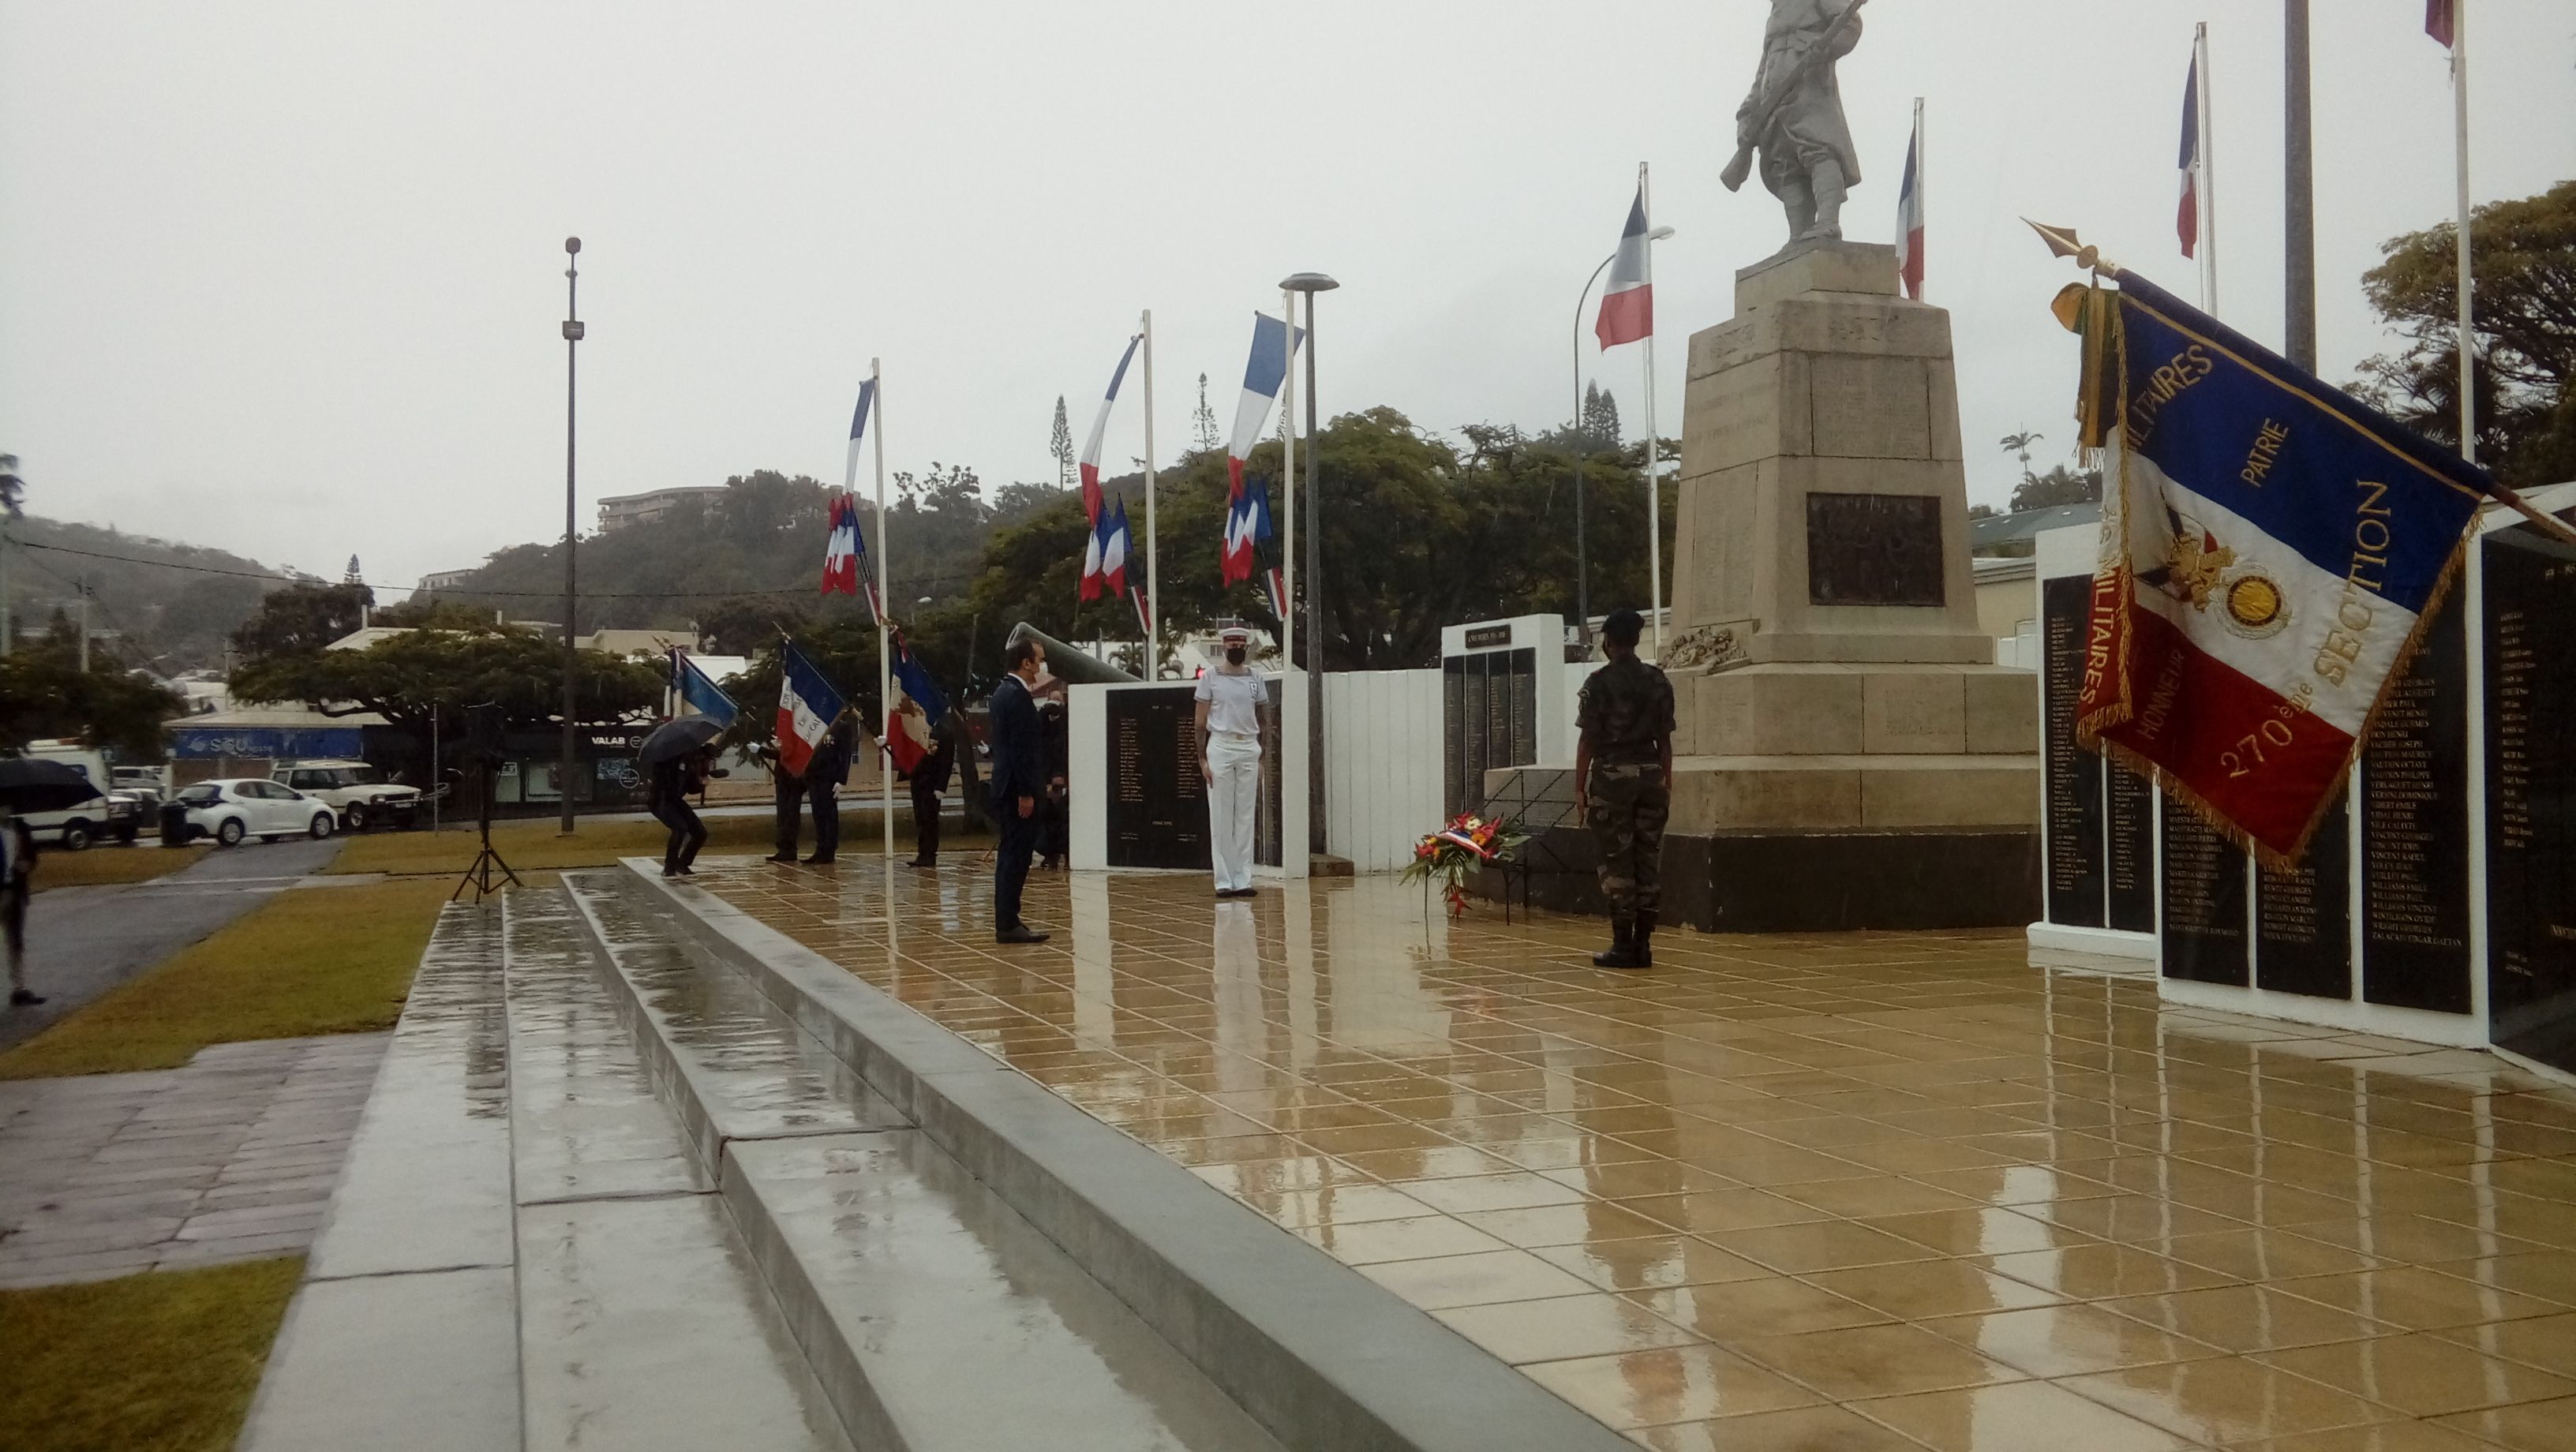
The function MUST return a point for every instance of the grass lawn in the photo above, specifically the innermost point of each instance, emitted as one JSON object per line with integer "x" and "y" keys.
{"x": 330, "y": 960}
{"x": 111, "y": 864}
{"x": 165, "y": 1361}
{"x": 535, "y": 846}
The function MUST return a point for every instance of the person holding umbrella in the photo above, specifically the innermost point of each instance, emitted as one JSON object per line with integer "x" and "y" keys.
{"x": 17, "y": 869}
{"x": 678, "y": 757}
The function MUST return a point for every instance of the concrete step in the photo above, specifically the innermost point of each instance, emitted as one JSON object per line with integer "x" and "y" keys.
{"x": 935, "y": 1316}
{"x": 643, "y": 1323}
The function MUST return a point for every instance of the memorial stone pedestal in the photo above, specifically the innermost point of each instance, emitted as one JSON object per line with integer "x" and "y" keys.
{"x": 1848, "y": 755}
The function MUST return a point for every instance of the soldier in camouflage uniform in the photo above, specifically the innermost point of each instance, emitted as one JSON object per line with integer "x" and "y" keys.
{"x": 1623, "y": 775}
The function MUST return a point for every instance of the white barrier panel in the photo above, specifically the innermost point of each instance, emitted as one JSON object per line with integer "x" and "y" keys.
{"x": 1382, "y": 760}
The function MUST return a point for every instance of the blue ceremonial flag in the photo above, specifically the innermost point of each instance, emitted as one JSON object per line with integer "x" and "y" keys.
{"x": 698, "y": 693}
{"x": 917, "y": 683}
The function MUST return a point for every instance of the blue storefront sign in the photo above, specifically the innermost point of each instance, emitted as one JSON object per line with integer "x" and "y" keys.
{"x": 205, "y": 743}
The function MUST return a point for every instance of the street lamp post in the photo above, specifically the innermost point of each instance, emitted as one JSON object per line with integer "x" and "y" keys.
{"x": 1582, "y": 552}
{"x": 1311, "y": 283}
{"x": 572, "y": 331}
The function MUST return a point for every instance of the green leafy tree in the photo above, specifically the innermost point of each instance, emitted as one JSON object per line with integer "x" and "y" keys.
{"x": 1203, "y": 422}
{"x": 2018, "y": 445}
{"x": 44, "y": 694}
{"x": 301, "y": 619}
{"x": 2524, "y": 320}
{"x": 407, "y": 677}
{"x": 2060, "y": 485}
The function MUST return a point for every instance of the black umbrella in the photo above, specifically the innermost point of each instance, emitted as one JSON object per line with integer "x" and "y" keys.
{"x": 33, "y": 784}
{"x": 673, "y": 739}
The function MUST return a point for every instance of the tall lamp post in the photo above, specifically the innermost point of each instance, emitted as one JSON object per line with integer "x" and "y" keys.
{"x": 1311, "y": 283}
{"x": 572, "y": 331}
{"x": 1582, "y": 551}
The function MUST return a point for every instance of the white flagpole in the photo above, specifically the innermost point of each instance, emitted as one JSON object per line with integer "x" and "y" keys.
{"x": 2208, "y": 185}
{"x": 1153, "y": 580}
{"x": 1654, "y": 487}
{"x": 2460, "y": 131}
{"x": 1288, "y": 488}
{"x": 885, "y": 660}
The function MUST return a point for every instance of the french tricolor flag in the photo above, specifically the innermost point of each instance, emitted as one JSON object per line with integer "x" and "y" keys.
{"x": 807, "y": 707}
{"x": 1262, "y": 378}
{"x": 2187, "y": 216}
{"x": 1628, "y": 307}
{"x": 1090, "y": 466}
{"x": 1909, "y": 217}
{"x": 1247, "y": 524}
{"x": 1104, "y": 555}
{"x": 843, "y": 550}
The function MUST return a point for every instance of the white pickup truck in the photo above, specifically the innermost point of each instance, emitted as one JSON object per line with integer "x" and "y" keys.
{"x": 357, "y": 791}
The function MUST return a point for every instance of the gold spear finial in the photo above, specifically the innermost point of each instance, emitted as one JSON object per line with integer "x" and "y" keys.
{"x": 2062, "y": 242}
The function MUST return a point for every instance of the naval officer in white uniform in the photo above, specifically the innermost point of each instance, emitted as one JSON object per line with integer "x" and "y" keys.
{"x": 1230, "y": 736}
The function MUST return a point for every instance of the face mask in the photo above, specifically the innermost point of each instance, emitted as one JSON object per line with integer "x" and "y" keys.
{"x": 1234, "y": 656}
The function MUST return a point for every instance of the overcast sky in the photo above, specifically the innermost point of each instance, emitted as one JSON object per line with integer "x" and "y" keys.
{"x": 287, "y": 279}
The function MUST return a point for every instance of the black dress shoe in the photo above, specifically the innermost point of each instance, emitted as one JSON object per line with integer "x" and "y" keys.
{"x": 917, "y": 862}
{"x": 784, "y": 859}
{"x": 1019, "y": 935}
{"x": 24, "y": 998}
{"x": 818, "y": 860}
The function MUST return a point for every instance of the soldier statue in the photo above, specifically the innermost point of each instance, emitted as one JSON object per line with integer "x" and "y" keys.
{"x": 1794, "y": 118}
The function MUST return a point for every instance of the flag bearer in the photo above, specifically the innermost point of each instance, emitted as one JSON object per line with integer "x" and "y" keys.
{"x": 1623, "y": 776}
{"x": 1230, "y": 734}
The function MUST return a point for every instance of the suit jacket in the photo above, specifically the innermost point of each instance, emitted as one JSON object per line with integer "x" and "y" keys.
{"x": 831, "y": 761}
{"x": 1019, "y": 765}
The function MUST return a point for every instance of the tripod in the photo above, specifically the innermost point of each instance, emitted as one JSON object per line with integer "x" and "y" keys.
{"x": 488, "y": 871}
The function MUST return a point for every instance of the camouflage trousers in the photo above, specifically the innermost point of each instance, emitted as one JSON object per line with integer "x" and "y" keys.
{"x": 1628, "y": 808}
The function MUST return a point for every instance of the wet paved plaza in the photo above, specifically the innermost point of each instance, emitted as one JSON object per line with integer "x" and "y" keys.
{"x": 1850, "y": 1192}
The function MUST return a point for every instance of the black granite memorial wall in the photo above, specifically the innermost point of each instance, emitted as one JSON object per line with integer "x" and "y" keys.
{"x": 2415, "y": 829}
{"x": 2203, "y": 901}
{"x": 1489, "y": 710}
{"x": 2130, "y": 865}
{"x": 2071, "y": 800}
{"x": 2530, "y": 666}
{"x": 1157, "y": 794}
{"x": 2303, "y": 915}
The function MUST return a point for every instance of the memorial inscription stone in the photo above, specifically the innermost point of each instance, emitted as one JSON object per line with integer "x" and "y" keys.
{"x": 2303, "y": 916}
{"x": 1489, "y": 707}
{"x": 2415, "y": 829}
{"x": 1157, "y": 798}
{"x": 2204, "y": 901}
{"x": 2131, "y": 864}
{"x": 2530, "y": 661}
{"x": 1874, "y": 549}
{"x": 2071, "y": 776}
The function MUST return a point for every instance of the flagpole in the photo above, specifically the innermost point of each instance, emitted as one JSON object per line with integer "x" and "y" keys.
{"x": 885, "y": 660}
{"x": 2460, "y": 133}
{"x": 1153, "y": 581}
{"x": 1288, "y": 487}
{"x": 2208, "y": 173}
{"x": 1654, "y": 489}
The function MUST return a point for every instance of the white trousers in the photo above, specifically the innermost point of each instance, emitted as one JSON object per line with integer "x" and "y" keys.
{"x": 1232, "y": 796}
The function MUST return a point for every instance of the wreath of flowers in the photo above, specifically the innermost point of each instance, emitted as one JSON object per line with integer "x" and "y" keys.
{"x": 1448, "y": 855}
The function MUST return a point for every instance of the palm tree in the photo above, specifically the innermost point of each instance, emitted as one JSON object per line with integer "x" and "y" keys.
{"x": 2019, "y": 444}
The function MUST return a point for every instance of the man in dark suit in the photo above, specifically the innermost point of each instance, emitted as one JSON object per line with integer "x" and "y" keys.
{"x": 824, "y": 776}
{"x": 1019, "y": 780}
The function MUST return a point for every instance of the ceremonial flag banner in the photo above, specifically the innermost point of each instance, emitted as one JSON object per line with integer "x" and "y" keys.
{"x": 918, "y": 683}
{"x": 858, "y": 431}
{"x": 1628, "y": 304}
{"x": 1115, "y": 544}
{"x": 1090, "y": 465}
{"x": 1909, "y": 217}
{"x": 1261, "y": 379}
{"x": 845, "y": 552}
{"x": 2271, "y": 550}
{"x": 1094, "y": 544}
{"x": 2187, "y": 213}
{"x": 699, "y": 694}
{"x": 807, "y": 706}
{"x": 908, "y": 741}
{"x": 2440, "y": 20}
{"x": 1247, "y": 524}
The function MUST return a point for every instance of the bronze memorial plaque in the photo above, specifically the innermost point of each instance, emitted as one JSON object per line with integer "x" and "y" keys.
{"x": 1874, "y": 549}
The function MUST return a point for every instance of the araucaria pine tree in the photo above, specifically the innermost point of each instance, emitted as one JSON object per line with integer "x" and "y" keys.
{"x": 1060, "y": 444}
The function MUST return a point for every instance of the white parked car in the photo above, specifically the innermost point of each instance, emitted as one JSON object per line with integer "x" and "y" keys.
{"x": 357, "y": 791}
{"x": 236, "y": 807}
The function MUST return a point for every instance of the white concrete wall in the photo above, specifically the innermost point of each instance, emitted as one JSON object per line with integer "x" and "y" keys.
{"x": 1382, "y": 754}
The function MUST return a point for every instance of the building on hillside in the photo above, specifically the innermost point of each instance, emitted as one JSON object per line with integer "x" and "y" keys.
{"x": 640, "y": 642}
{"x": 2015, "y": 534}
{"x": 620, "y": 510}
{"x": 437, "y": 580}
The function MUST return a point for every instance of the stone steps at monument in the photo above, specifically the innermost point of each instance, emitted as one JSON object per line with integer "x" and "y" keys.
{"x": 934, "y": 1316}
{"x": 1100, "y": 1284}
{"x": 522, "y": 1253}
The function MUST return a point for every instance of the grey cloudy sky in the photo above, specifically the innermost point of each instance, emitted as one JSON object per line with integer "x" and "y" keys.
{"x": 286, "y": 278}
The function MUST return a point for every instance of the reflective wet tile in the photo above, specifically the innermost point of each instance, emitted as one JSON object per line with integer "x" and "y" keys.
{"x": 1803, "y": 1429}
{"x": 1773, "y": 1306}
{"x": 1651, "y": 1262}
{"x": 1669, "y": 1384}
{"x": 2378, "y": 1437}
{"x": 2025, "y": 1416}
{"x": 2249, "y": 1318}
{"x": 1924, "y": 1289}
{"x": 1823, "y": 1245}
{"x": 2421, "y": 1375}
{"x": 1568, "y": 1326}
{"x": 1864, "y": 1361}
{"x": 2227, "y": 1399}
{"x": 1410, "y": 1239}
{"x": 2417, "y": 1299}
{"x": 2529, "y": 1427}
{"x": 2547, "y": 1342}
{"x": 2069, "y": 1340}
{"x": 1475, "y": 1280}
{"x": 2102, "y": 1270}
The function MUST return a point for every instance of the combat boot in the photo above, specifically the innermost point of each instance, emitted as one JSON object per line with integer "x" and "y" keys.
{"x": 1645, "y": 943}
{"x": 1622, "y": 952}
